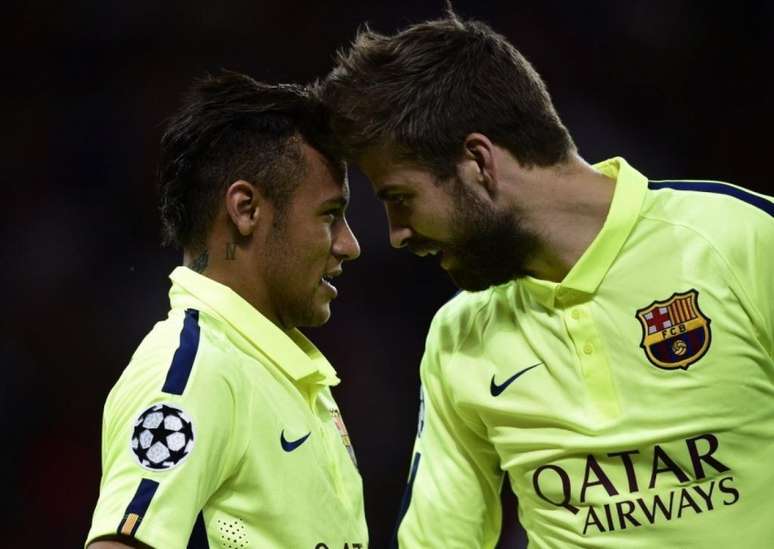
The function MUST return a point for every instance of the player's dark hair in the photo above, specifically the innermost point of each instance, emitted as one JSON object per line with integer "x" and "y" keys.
{"x": 231, "y": 127}
{"x": 426, "y": 88}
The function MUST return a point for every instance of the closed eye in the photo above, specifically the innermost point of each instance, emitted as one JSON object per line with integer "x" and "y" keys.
{"x": 333, "y": 214}
{"x": 393, "y": 196}
{"x": 395, "y": 199}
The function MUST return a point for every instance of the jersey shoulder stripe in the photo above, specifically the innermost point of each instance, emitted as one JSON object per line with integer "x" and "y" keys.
{"x": 406, "y": 499}
{"x": 182, "y": 361}
{"x": 137, "y": 507}
{"x": 717, "y": 188}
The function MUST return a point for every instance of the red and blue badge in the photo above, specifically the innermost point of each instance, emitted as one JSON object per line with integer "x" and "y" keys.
{"x": 675, "y": 332}
{"x": 342, "y": 429}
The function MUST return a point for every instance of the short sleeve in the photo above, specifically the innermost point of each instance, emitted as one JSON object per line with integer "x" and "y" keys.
{"x": 453, "y": 496}
{"x": 170, "y": 439}
{"x": 751, "y": 254}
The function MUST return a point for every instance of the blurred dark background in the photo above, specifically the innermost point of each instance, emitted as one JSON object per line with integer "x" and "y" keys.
{"x": 679, "y": 88}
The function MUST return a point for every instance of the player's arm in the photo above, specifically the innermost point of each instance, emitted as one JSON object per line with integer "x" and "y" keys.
{"x": 165, "y": 454}
{"x": 113, "y": 543}
{"x": 764, "y": 271}
{"x": 453, "y": 496}
{"x": 751, "y": 256}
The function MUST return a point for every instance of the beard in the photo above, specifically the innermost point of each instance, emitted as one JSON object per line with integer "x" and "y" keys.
{"x": 490, "y": 247}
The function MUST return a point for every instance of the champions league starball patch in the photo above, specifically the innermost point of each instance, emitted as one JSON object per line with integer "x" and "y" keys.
{"x": 675, "y": 332}
{"x": 162, "y": 437}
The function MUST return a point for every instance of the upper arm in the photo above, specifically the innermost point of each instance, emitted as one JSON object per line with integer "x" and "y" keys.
{"x": 764, "y": 275}
{"x": 750, "y": 251}
{"x": 455, "y": 479}
{"x": 117, "y": 542}
{"x": 155, "y": 496}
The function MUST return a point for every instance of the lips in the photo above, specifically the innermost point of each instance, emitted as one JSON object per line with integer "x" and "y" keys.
{"x": 326, "y": 278}
{"x": 424, "y": 250}
{"x": 423, "y": 246}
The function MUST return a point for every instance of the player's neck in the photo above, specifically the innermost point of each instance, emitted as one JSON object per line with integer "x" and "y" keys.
{"x": 565, "y": 207}
{"x": 237, "y": 271}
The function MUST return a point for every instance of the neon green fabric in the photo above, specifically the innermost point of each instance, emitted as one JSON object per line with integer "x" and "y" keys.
{"x": 270, "y": 465}
{"x": 632, "y": 404}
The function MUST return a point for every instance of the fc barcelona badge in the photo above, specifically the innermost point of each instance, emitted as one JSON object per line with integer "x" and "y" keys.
{"x": 342, "y": 429}
{"x": 675, "y": 333}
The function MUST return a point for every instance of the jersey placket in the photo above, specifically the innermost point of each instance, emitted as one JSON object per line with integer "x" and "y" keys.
{"x": 592, "y": 357}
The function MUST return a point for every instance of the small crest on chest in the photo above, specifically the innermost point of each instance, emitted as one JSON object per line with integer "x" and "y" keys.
{"x": 342, "y": 429}
{"x": 675, "y": 332}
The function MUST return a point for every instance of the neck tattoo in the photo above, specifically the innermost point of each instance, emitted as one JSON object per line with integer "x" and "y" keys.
{"x": 231, "y": 250}
{"x": 200, "y": 263}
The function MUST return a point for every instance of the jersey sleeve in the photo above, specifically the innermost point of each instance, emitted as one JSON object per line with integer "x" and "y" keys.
{"x": 751, "y": 254}
{"x": 170, "y": 439}
{"x": 763, "y": 271}
{"x": 453, "y": 495}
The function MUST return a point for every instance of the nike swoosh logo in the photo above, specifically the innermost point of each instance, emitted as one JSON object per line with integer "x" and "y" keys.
{"x": 290, "y": 445}
{"x": 496, "y": 389}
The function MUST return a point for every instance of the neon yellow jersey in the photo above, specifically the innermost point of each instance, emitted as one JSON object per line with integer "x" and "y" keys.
{"x": 222, "y": 432}
{"x": 632, "y": 404}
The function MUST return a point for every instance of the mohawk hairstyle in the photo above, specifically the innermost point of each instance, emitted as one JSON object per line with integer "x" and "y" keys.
{"x": 231, "y": 127}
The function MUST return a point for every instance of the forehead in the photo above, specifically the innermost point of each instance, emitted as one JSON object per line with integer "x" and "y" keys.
{"x": 323, "y": 180}
{"x": 385, "y": 170}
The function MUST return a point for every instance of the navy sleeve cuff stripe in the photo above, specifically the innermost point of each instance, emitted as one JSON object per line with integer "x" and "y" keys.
{"x": 182, "y": 362}
{"x": 198, "y": 538}
{"x": 717, "y": 188}
{"x": 406, "y": 499}
{"x": 137, "y": 508}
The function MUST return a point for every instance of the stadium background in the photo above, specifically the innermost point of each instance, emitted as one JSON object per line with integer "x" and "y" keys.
{"x": 678, "y": 88}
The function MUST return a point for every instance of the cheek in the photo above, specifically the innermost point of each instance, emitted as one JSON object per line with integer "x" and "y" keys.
{"x": 314, "y": 257}
{"x": 431, "y": 223}
{"x": 399, "y": 217}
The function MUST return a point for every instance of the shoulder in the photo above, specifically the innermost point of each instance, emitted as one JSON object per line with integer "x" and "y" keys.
{"x": 734, "y": 225}
{"x": 466, "y": 313}
{"x": 719, "y": 211}
{"x": 185, "y": 357}
{"x": 183, "y": 373}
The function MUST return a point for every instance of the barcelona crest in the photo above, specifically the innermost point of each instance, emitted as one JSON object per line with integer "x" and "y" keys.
{"x": 342, "y": 429}
{"x": 675, "y": 333}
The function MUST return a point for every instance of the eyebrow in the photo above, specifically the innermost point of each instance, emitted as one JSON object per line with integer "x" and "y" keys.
{"x": 339, "y": 201}
{"x": 386, "y": 190}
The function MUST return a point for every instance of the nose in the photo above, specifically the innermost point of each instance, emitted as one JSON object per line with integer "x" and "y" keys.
{"x": 345, "y": 244}
{"x": 399, "y": 236}
{"x": 399, "y": 232}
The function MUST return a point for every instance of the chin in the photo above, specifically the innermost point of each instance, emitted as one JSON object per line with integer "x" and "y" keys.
{"x": 324, "y": 318}
{"x": 318, "y": 316}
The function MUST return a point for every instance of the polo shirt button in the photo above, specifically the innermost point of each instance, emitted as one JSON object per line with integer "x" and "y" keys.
{"x": 588, "y": 348}
{"x": 576, "y": 314}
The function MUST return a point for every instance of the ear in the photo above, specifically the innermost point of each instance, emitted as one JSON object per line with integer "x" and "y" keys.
{"x": 478, "y": 162}
{"x": 243, "y": 204}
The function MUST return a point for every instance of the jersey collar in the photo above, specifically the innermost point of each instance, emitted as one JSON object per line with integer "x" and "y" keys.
{"x": 589, "y": 271}
{"x": 291, "y": 352}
